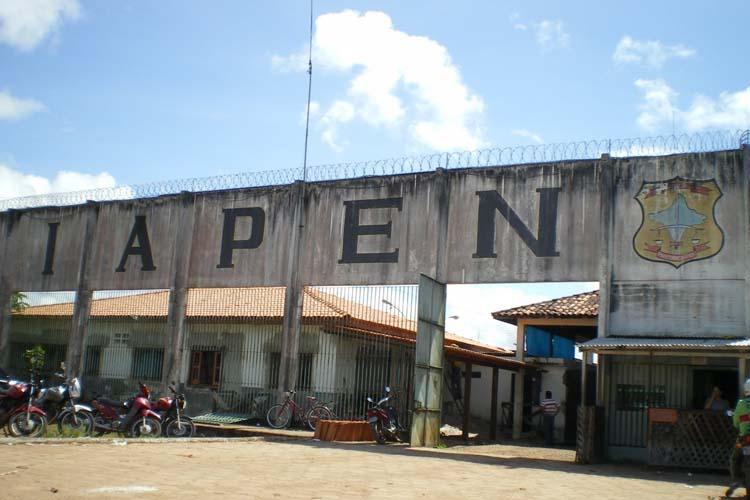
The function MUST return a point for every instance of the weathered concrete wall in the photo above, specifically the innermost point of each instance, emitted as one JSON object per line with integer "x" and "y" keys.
{"x": 509, "y": 224}
{"x": 702, "y": 297}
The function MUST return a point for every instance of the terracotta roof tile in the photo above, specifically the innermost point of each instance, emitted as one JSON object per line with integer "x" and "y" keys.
{"x": 582, "y": 305}
{"x": 254, "y": 303}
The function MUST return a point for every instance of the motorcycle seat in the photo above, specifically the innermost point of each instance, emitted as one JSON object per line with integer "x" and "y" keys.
{"x": 109, "y": 402}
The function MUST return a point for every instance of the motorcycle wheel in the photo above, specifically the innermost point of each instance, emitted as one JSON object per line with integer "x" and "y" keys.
{"x": 377, "y": 432}
{"x": 185, "y": 429}
{"x": 316, "y": 414}
{"x": 146, "y": 427}
{"x": 20, "y": 426}
{"x": 76, "y": 424}
{"x": 279, "y": 416}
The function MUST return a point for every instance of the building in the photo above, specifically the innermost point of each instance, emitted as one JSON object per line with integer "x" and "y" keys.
{"x": 548, "y": 332}
{"x": 230, "y": 353}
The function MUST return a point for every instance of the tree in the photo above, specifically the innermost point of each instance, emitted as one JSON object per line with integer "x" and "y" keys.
{"x": 18, "y": 301}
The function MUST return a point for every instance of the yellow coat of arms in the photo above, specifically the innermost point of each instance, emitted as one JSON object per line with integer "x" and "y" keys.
{"x": 678, "y": 224}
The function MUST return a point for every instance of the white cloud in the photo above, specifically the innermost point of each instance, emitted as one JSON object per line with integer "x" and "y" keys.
{"x": 551, "y": 34}
{"x": 650, "y": 52}
{"x": 15, "y": 108}
{"x": 659, "y": 109}
{"x": 528, "y": 134}
{"x": 396, "y": 80}
{"x": 25, "y": 23}
{"x": 15, "y": 184}
{"x": 520, "y": 27}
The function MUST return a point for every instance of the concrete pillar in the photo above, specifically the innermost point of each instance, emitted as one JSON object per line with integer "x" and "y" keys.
{"x": 5, "y": 324}
{"x": 82, "y": 305}
{"x": 518, "y": 404}
{"x": 467, "y": 401}
{"x": 741, "y": 374}
{"x": 292, "y": 322}
{"x": 174, "y": 337}
{"x": 519, "y": 382}
{"x": 493, "y": 405}
{"x": 429, "y": 350}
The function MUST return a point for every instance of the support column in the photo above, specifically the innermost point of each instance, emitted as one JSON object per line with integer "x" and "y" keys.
{"x": 519, "y": 382}
{"x": 493, "y": 405}
{"x": 584, "y": 376}
{"x": 467, "y": 401}
{"x": 5, "y": 323}
{"x": 292, "y": 322}
{"x": 82, "y": 305}
{"x": 174, "y": 338}
{"x": 429, "y": 350}
{"x": 741, "y": 374}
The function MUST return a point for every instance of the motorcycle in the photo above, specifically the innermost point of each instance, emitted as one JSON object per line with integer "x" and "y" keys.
{"x": 17, "y": 411}
{"x": 171, "y": 410}
{"x": 61, "y": 401}
{"x": 383, "y": 420}
{"x": 132, "y": 418}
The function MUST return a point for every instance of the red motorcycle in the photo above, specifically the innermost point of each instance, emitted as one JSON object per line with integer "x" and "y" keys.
{"x": 383, "y": 420}
{"x": 132, "y": 418}
{"x": 17, "y": 413}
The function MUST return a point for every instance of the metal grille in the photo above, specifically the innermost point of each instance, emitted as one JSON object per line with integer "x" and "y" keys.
{"x": 493, "y": 157}
{"x": 39, "y": 319}
{"x": 125, "y": 342}
{"x": 231, "y": 350}
{"x": 356, "y": 341}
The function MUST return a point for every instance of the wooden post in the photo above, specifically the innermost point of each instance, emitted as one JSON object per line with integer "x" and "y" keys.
{"x": 467, "y": 401}
{"x": 493, "y": 407}
{"x": 5, "y": 324}
{"x": 518, "y": 386}
{"x": 584, "y": 376}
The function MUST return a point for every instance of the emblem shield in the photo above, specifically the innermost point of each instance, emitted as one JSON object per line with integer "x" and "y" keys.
{"x": 678, "y": 224}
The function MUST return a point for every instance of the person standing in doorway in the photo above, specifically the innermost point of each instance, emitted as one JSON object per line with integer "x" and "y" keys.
{"x": 550, "y": 408}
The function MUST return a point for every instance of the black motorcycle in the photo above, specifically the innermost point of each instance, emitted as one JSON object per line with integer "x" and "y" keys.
{"x": 60, "y": 403}
{"x": 172, "y": 412}
{"x": 383, "y": 420}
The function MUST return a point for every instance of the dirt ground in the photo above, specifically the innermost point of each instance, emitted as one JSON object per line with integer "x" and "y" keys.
{"x": 257, "y": 468}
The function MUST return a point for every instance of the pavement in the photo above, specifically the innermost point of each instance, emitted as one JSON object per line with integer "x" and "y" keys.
{"x": 258, "y": 467}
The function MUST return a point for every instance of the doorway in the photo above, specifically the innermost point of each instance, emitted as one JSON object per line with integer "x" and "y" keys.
{"x": 704, "y": 380}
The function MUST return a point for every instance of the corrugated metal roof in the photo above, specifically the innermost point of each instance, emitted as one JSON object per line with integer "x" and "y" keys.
{"x": 221, "y": 418}
{"x": 666, "y": 344}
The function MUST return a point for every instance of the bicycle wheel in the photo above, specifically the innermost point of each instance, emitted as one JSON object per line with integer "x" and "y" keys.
{"x": 279, "y": 416}
{"x": 318, "y": 413}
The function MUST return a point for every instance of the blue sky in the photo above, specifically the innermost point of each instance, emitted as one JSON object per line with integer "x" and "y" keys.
{"x": 144, "y": 91}
{"x": 94, "y": 94}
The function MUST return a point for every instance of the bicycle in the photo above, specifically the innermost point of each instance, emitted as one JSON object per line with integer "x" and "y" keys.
{"x": 280, "y": 415}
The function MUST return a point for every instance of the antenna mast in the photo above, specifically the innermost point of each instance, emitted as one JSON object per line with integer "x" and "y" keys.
{"x": 309, "y": 94}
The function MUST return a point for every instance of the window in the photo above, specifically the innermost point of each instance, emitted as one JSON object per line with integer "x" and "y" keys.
{"x": 91, "y": 360}
{"x": 205, "y": 368}
{"x": 632, "y": 397}
{"x": 120, "y": 339}
{"x": 304, "y": 372}
{"x": 147, "y": 363}
{"x": 54, "y": 354}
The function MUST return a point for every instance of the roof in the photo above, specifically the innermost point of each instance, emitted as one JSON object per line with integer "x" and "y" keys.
{"x": 582, "y": 305}
{"x": 256, "y": 304}
{"x": 663, "y": 344}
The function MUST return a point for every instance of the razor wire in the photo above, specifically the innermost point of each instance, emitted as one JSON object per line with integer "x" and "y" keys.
{"x": 491, "y": 157}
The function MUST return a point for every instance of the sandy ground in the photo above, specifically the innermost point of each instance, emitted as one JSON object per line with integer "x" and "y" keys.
{"x": 256, "y": 468}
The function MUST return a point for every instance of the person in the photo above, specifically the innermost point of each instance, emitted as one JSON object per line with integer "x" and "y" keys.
{"x": 741, "y": 421}
{"x": 715, "y": 402}
{"x": 550, "y": 408}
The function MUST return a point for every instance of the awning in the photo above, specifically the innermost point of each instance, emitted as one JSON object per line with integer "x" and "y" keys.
{"x": 609, "y": 344}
